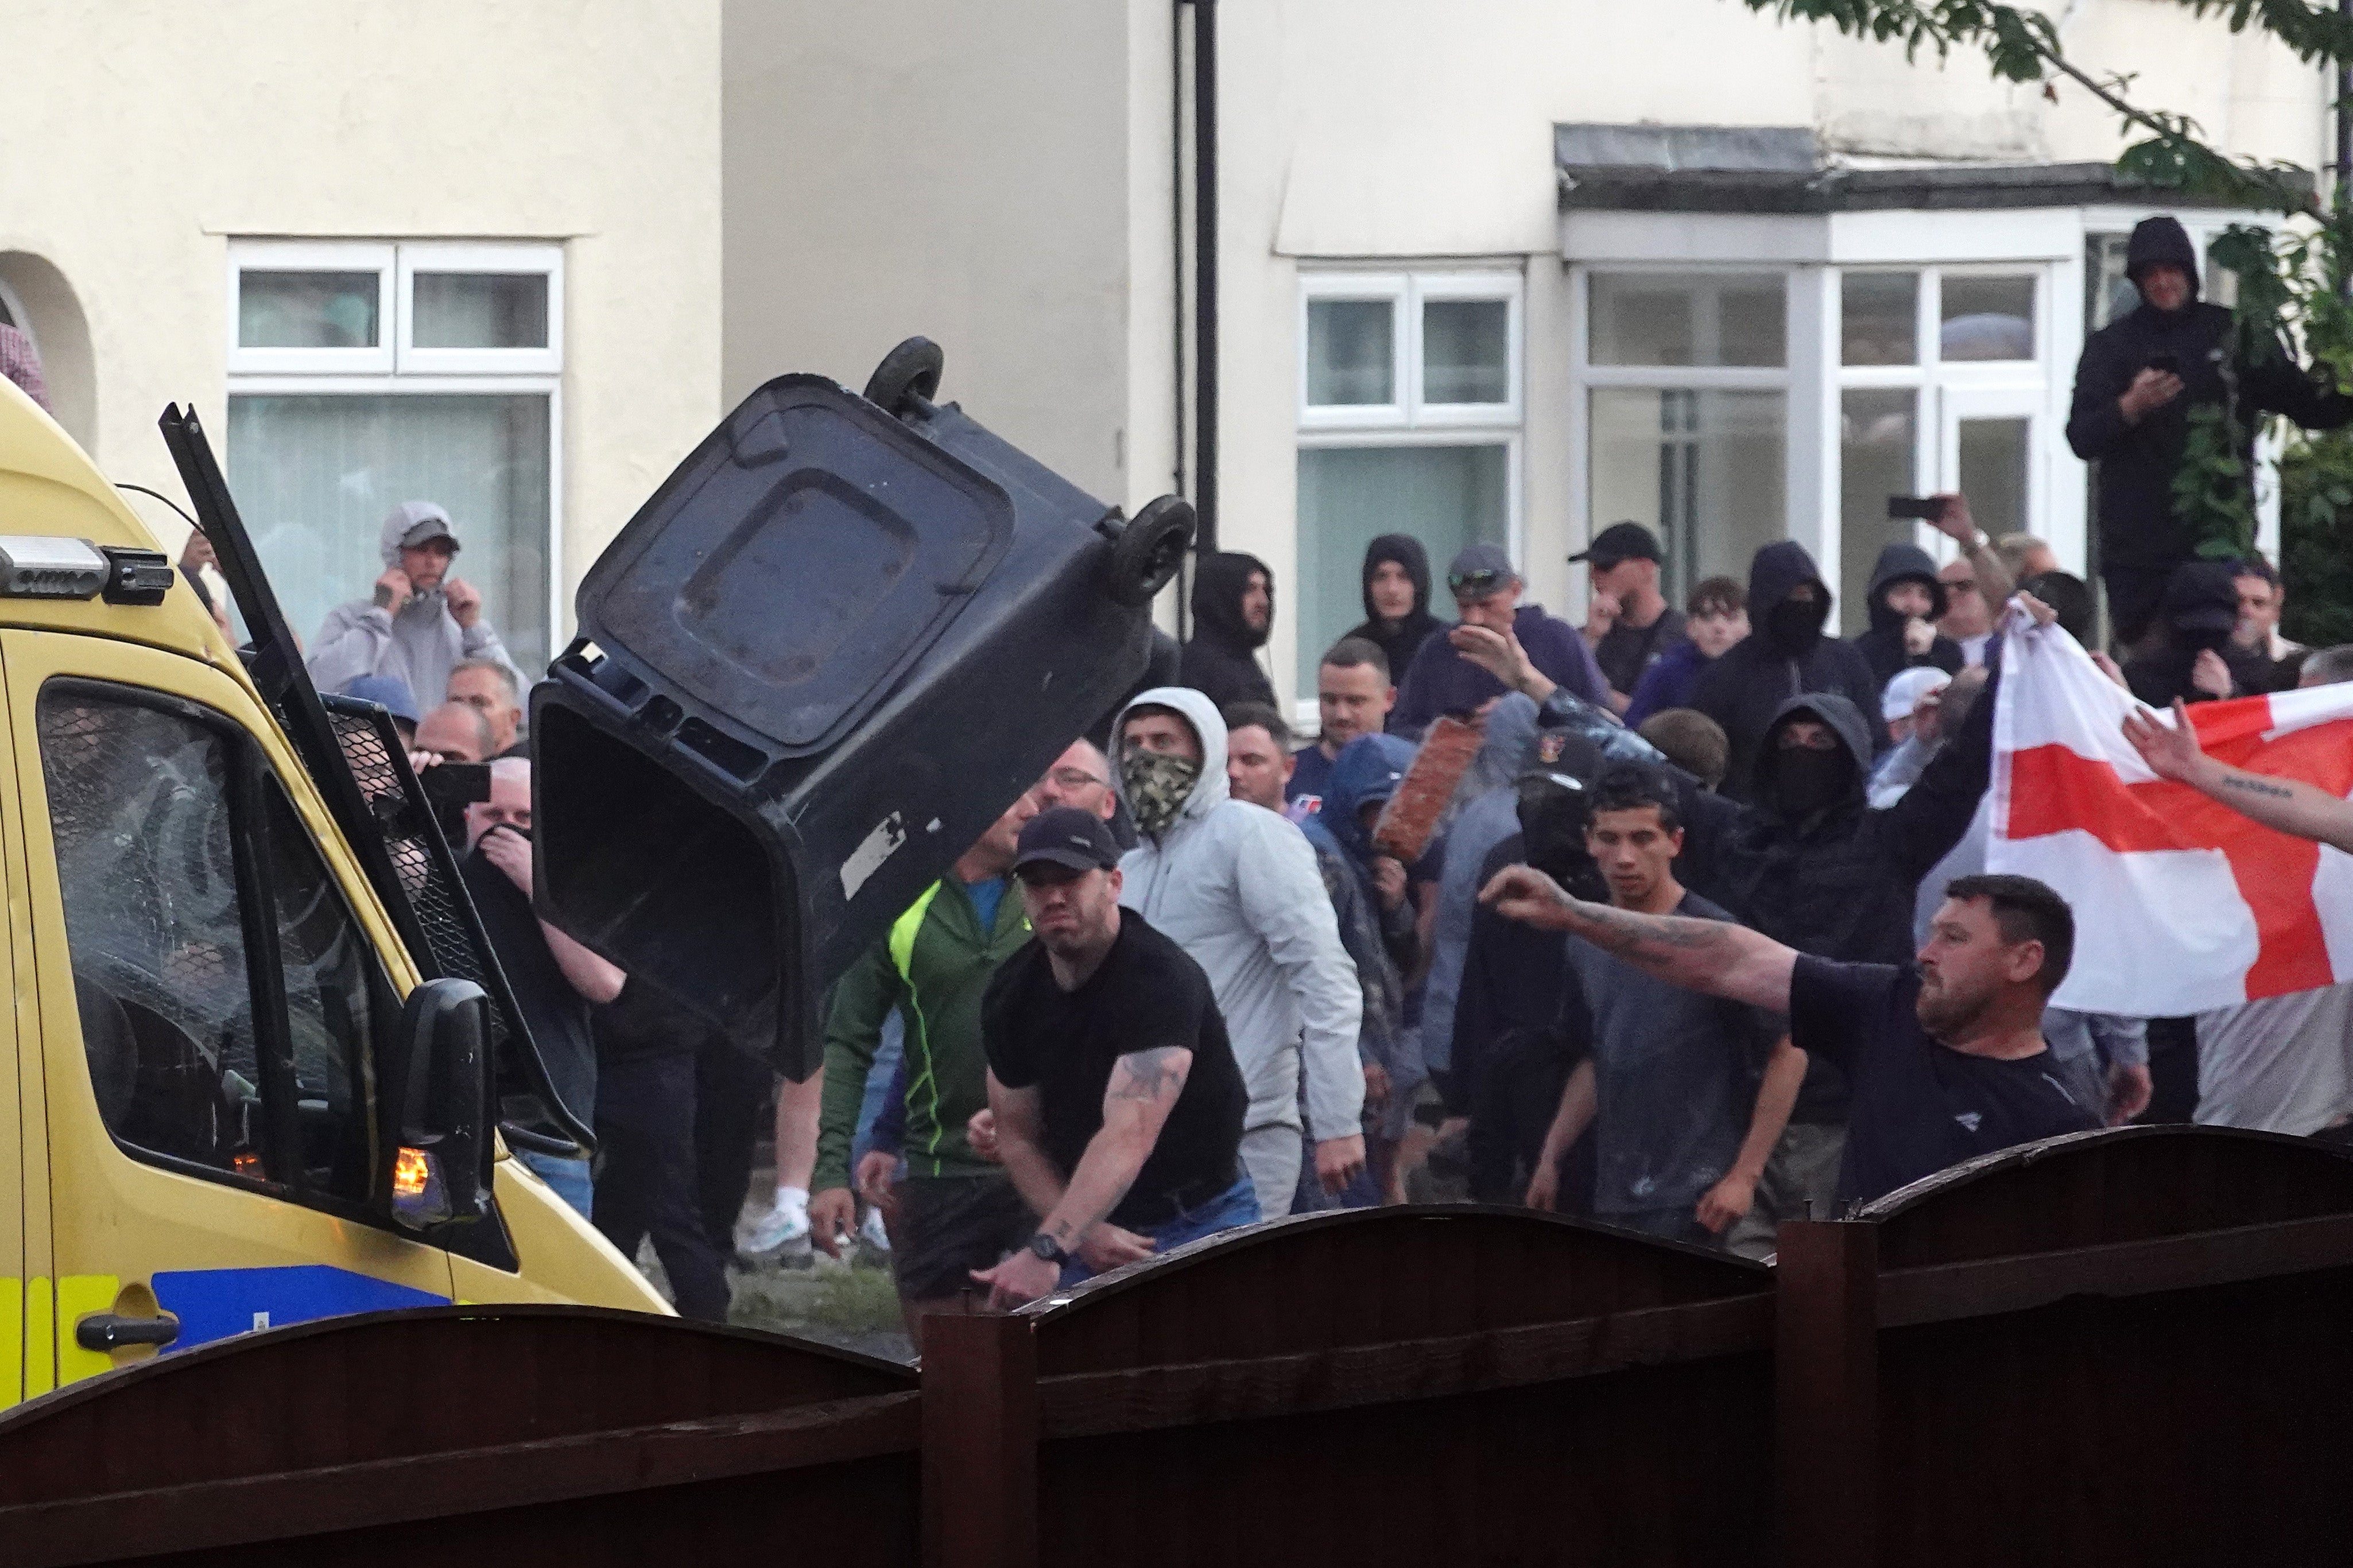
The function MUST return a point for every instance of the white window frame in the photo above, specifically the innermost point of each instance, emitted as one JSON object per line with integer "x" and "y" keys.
{"x": 327, "y": 255}
{"x": 395, "y": 368}
{"x": 1411, "y": 421}
{"x": 515, "y": 260}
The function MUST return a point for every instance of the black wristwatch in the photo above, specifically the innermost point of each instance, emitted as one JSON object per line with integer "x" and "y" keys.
{"x": 1047, "y": 1247}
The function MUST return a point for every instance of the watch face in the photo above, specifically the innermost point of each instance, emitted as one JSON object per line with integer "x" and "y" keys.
{"x": 1044, "y": 1246}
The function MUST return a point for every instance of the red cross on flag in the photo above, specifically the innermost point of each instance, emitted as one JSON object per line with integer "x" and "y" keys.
{"x": 2181, "y": 904}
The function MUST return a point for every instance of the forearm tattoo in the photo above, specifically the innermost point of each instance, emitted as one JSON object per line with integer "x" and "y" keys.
{"x": 2250, "y": 785}
{"x": 1624, "y": 933}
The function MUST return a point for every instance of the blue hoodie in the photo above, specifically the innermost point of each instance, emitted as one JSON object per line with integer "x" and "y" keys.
{"x": 1442, "y": 680}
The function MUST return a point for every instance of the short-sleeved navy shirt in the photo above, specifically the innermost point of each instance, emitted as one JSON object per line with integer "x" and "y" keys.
{"x": 1146, "y": 992}
{"x": 1917, "y": 1106}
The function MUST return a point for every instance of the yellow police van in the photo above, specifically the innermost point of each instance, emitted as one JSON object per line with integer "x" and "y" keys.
{"x": 232, "y": 1096}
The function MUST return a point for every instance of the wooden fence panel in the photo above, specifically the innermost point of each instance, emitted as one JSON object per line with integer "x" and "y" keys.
{"x": 1453, "y": 1384}
{"x": 563, "y": 1434}
{"x": 2128, "y": 1347}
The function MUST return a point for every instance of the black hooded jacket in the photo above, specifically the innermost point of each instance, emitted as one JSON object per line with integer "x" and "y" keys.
{"x": 2141, "y": 538}
{"x": 1839, "y": 882}
{"x": 1218, "y": 661}
{"x": 1401, "y": 641}
{"x": 1745, "y": 690}
{"x": 1883, "y": 645}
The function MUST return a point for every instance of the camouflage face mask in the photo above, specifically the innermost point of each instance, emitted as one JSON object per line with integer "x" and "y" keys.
{"x": 1158, "y": 785}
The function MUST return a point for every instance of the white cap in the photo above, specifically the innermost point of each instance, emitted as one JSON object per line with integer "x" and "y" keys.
{"x": 1905, "y": 687}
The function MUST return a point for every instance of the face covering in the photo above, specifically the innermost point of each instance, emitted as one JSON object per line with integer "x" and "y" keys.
{"x": 1795, "y": 625}
{"x": 2207, "y": 637}
{"x": 1158, "y": 785}
{"x": 1805, "y": 779}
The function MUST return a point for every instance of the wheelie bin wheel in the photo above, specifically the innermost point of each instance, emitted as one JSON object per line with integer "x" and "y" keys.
{"x": 1150, "y": 549}
{"x": 908, "y": 376}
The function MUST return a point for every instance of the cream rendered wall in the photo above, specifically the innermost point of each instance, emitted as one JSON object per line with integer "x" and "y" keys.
{"x": 1411, "y": 130}
{"x": 955, "y": 170}
{"x": 138, "y": 137}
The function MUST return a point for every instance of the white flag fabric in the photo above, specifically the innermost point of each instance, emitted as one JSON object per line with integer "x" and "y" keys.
{"x": 2181, "y": 904}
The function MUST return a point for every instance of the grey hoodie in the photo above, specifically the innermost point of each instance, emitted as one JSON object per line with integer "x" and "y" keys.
{"x": 420, "y": 645}
{"x": 1237, "y": 887}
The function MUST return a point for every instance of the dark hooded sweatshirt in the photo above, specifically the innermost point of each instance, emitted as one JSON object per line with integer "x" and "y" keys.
{"x": 1746, "y": 687}
{"x": 2141, "y": 538}
{"x": 1883, "y": 645}
{"x": 1399, "y": 640}
{"x": 1837, "y": 881}
{"x": 1218, "y": 661}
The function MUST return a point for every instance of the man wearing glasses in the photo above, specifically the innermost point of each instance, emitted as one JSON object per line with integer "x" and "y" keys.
{"x": 1487, "y": 593}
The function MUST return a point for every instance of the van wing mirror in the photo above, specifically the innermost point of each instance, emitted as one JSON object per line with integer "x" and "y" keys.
{"x": 435, "y": 1142}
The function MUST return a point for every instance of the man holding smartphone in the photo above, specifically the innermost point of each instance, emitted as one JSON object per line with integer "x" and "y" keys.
{"x": 2140, "y": 378}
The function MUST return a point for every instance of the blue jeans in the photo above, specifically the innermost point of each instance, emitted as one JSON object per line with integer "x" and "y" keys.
{"x": 570, "y": 1178}
{"x": 1237, "y": 1206}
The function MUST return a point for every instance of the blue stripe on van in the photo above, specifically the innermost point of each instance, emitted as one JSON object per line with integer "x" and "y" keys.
{"x": 213, "y": 1303}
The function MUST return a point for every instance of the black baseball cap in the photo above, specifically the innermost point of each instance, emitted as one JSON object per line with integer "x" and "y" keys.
{"x": 1066, "y": 836}
{"x": 1621, "y": 542}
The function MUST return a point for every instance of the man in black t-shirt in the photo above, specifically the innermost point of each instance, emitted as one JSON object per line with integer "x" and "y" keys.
{"x": 1947, "y": 1058}
{"x": 1118, "y": 1106}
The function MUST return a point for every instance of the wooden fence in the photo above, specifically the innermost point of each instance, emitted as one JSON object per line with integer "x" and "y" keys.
{"x": 2126, "y": 1347}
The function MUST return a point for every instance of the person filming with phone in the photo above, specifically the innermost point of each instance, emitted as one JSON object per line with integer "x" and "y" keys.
{"x": 2140, "y": 379}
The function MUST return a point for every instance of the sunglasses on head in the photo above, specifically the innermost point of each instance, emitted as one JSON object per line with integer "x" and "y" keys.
{"x": 1475, "y": 585}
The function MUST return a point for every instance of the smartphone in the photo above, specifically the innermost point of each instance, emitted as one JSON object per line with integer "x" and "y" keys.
{"x": 2168, "y": 362}
{"x": 1927, "y": 508}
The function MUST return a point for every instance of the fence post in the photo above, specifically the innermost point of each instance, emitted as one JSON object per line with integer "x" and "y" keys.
{"x": 1826, "y": 1392}
{"x": 980, "y": 1442}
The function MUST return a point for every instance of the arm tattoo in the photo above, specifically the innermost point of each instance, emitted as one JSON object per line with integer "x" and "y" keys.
{"x": 1622, "y": 931}
{"x": 2254, "y": 785}
{"x": 1149, "y": 1074}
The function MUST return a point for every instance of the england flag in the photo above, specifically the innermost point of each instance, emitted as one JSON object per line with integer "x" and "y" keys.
{"x": 2181, "y": 904}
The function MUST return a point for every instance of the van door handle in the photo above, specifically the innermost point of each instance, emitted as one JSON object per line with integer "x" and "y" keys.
{"x": 105, "y": 1332}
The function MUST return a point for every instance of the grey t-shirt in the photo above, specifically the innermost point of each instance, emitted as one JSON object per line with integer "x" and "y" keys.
{"x": 1675, "y": 1077}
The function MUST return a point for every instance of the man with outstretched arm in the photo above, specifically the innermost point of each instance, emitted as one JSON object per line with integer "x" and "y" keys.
{"x": 1117, "y": 1104}
{"x": 2290, "y": 805}
{"x": 1947, "y": 1058}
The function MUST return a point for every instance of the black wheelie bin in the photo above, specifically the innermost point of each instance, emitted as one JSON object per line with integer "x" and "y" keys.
{"x": 836, "y": 644}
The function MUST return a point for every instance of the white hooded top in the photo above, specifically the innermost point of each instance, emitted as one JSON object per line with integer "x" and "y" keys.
{"x": 1236, "y": 886}
{"x": 420, "y": 645}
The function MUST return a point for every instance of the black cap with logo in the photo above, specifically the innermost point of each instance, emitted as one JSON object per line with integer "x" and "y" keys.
{"x": 1621, "y": 542}
{"x": 1066, "y": 836}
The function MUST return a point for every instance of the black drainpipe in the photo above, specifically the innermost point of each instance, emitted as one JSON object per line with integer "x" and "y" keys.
{"x": 1205, "y": 271}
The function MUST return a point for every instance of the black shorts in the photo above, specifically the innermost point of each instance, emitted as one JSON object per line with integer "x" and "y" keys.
{"x": 949, "y": 1226}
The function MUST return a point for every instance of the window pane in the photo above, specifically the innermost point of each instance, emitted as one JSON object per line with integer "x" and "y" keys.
{"x": 1466, "y": 353}
{"x": 316, "y": 475}
{"x": 1993, "y": 472}
{"x": 1703, "y": 469}
{"x": 2108, "y": 293}
{"x": 307, "y": 310}
{"x": 336, "y": 997}
{"x": 1351, "y": 353}
{"x": 1879, "y": 317}
{"x": 1696, "y": 319}
{"x": 1876, "y": 431}
{"x": 1447, "y": 496}
{"x": 139, "y": 811}
{"x": 1988, "y": 318}
{"x": 480, "y": 310}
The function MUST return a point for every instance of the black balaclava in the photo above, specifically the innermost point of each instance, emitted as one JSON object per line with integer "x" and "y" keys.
{"x": 1553, "y": 819}
{"x": 1795, "y": 625}
{"x": 1805, "y": 781}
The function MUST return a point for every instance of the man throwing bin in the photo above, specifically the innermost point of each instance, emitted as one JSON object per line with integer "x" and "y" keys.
{"x": 1946, "y": 1057}
{"x": 1117, "y": 1104}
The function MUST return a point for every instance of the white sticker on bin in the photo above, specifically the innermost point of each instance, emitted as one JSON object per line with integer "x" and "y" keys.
{"x": 867, "y": 857}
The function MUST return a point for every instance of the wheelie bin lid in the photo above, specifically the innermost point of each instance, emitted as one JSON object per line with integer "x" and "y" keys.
{"x": 819, "y": 545}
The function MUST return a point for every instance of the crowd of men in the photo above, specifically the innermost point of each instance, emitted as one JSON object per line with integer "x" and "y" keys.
{"x": 1701, "y": 940}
